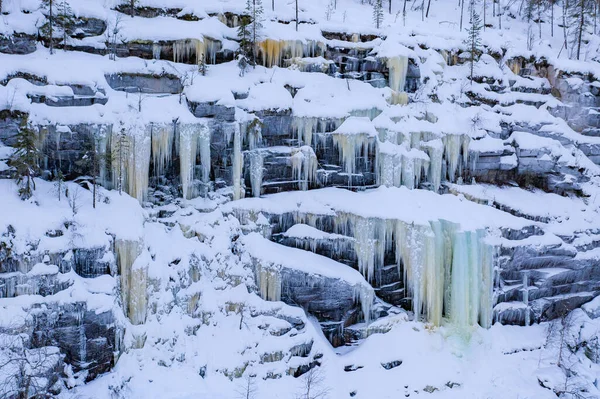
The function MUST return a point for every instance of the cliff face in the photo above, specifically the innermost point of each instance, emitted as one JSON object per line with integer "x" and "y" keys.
{"x": 355, "y": 183}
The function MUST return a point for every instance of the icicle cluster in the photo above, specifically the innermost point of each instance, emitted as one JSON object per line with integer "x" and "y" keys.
{"x": 275, "y": 52}
{"x": 194, "y": 140}
{"x": 447, "y": 272}
{"x": 131, "y": 151}
{"x": 304, "y": 166}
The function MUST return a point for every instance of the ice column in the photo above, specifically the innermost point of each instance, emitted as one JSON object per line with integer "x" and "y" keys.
{"x": 256, "y": 171}
{"x": 133, "y": 279}
{"x": 398, "y": 67}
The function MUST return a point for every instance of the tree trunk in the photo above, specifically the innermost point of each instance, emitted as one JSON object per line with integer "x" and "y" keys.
{"x": 428, "y": 7}
{"x": 462, "y": 8}
{"x": 404, "y": 13}
{"x": 94, "y": 193}
{"x": 390, "y": 6}
{"x": 132, "y": 8}
{"x": 564, "y": 18}
{"x": 581, "y": 24}
{"x": 484, "y": 12}
{"x": 272, "y": 5}
{"x": 296, "y": 15}
{"x": 552, "y": 18}
{"x": 51, "y": 24}
{"x": 499, "y": 14}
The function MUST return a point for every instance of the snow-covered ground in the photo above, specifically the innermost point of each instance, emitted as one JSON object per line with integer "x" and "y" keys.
{"x": 194, "y": 285}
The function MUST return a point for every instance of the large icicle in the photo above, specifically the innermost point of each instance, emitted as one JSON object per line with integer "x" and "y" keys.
{"x": 162, "y": 147}
{"x": 133, "y": 280}
{"x": 304, "y": 166}
{"x": 446, "y": 270}
{"x": 256, "y": 171}
{"x": 269, "y": 283}
{"x": 131, "y": 151}
{"x": 237, "y": 163}
{"x": 398, "y": 67}
{"x": 193, "y": 139}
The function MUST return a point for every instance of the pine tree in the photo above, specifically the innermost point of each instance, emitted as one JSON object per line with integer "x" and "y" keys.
{"x": 473, "y": 41}
{"x": 202, "y": 68}
{"x": 254, "y": 10}
{"x": 244, "y": 35}
{"x": 120, "y": 152}
{"x": 24, "y": 160}
{"x": 59, "y": 181}
{"x": 378, "y": 13}
{"x": 48, "y": 28}
{"x": 91, "y": 163}
{"x": 65, "y": 18}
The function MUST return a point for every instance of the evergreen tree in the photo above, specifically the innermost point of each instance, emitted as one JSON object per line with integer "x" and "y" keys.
{"x": 473, "y": 41}
{"x": 91, "y": 163}
{"x": 120, "y": 152}
{"x": 24, "y": 160}
{"x": 48, "y": 28}
{"x": 202, "y": 68}
{"x": 254, "y": 10}
{"x": 244, "y": 35}
{"x": 378, "y": 13}
{"x": 59, "y": 181}
{"x": 65, "y": 18}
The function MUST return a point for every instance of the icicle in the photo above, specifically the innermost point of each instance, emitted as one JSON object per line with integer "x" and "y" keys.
{"x": 304, "y": 127}
{"x": 136, "y": 154}
{"x": 187, "y": 158}
{"x": 526, "y": 296}
{"x": 156, "y": 50}
{"x": 237, "y": 164}
{"x": 184, "y": 50}
{"x": 435, "y": 150}
{"x": 268, "y": 281}
{"x": 133, "y": 280}
{"x": 351, "y": 146}
{"x": 304, "y": 166}
{"x": 452, "y": 150}
{"x": 365, "y": 295}
{"x": 256, "y": 172}
{"x": 193, "y": 139}
{"x": 162, "y": 147}
{"x": 398, "y": 67}
{"x": 444, "y": 269}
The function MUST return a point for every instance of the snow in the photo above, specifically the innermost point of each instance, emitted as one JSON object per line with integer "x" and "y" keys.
{"x": 188, "y": 276}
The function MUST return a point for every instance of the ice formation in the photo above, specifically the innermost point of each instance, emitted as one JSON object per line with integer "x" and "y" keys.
{"x": 398, "y": 68}
{"x": 275, "y": 52}
{"x": 237, "y": 164}
{"x": 447, "y": 272}
{"x": 131, "y": 150}
{"x": 162, "y": 147}
{"x": 455, "y": 146}
{"x": 304, "y": 166}
{"x": 256, "y": 171}
{"x": 194, "y": 139}
{"x": 397, "y": 166}
{"x": 269, "y": 282}
{"x": 526, "y": 297}
{"x": 133, "y": 280}
{"x": 195, "y": 51}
